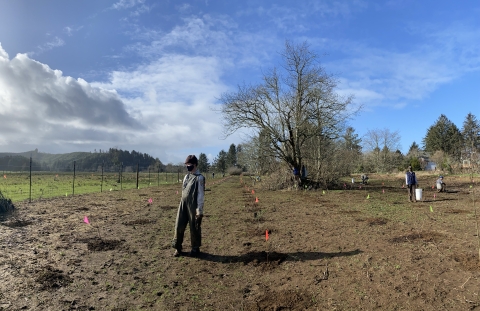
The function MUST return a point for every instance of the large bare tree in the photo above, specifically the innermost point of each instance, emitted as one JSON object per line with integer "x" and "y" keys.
{"x": 295, "y": 105}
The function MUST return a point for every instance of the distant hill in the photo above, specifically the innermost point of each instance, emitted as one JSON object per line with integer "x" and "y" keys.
{"x": 84, "y": 161}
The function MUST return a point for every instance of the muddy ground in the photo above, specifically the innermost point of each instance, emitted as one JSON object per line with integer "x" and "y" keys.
{"x": 355, "y": 248}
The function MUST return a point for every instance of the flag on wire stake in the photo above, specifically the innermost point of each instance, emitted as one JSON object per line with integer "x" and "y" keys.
{"x": 368, "y": 196}
{"x": 253, "y": 191}
{"x": 431, "y": 209}
{"x": 85, "y": 220}
{"x": 150, "y": 201}
{"x": 383, "y": 190}
{"x": 256, "y": 200}
{"x": 266, "y": 235}
{"x": 323, "y": 192}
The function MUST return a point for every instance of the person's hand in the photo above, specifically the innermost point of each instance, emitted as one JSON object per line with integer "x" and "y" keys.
{"x": 198, "y": 221}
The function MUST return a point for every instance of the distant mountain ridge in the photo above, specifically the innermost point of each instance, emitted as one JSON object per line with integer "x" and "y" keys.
{"x": 114, "y": 159}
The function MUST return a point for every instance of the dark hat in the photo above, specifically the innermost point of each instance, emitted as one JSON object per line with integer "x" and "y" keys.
{"x": 191, "y": 159}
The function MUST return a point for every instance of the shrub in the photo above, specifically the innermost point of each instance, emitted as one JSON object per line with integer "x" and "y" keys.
{"x": 234, "y": 171}
{"x": 6, "y": 205}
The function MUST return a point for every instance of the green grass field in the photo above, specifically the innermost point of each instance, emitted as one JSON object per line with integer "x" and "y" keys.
{"x": 16, "y": 185}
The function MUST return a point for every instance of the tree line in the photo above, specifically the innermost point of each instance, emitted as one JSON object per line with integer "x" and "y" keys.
{"x": 112, "y": 160}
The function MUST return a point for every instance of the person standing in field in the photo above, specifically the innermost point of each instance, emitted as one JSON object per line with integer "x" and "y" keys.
{"x": 364, "y": 179}
{"x": 190, "y": 210}
{"x": 441, "y": 186}
{"x": 412, "y": 184}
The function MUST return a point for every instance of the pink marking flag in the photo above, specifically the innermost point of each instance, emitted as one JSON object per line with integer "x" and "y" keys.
{"x": 150, "y": 201}
{"x": 266, "y": 235}
{"x": 434, "y": 195}
{"x": 85, "y": 220}
{"x": 5, "y": 176}
{"x": 253, "y": 191}
{"x": 383, "y": 190}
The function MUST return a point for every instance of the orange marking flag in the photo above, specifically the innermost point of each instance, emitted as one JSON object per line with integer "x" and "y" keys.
{"x": 266, "y": 235}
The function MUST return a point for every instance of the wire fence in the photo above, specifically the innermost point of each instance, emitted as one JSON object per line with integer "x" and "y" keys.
{"x": 20, "y": 183}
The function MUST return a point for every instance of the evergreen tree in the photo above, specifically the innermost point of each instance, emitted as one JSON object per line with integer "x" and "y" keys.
{"x": 414, "y": 150}
{"x": 471, "y": 134}
{"x": 445, "y": 136}
{"x": 203, "y": 164}
{"x": 232, "y": 156}
{"x": 220, "y": 162}
{"x": 350, "y": 151}
{"x": 351, "y": 141}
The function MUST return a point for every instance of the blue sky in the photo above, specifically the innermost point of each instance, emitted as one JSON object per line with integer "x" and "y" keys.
{"x": 144, "y": 75}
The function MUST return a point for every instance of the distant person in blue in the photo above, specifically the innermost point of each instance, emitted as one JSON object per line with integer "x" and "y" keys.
{"x": 304, "y": 172}
{"x": 296, "y": 176}
{"x": 441, "y": 186}
{"x": 412, "y": 184}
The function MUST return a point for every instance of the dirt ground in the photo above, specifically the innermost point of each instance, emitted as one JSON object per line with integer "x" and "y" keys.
{"x": 361, "y": 247}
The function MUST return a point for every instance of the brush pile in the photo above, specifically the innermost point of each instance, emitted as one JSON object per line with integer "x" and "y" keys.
{"x": 6, "y": 205}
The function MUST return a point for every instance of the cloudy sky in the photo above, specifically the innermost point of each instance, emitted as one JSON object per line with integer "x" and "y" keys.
{"x": 146, "y": 75}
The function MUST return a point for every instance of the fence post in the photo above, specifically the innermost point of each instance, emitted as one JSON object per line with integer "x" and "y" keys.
{"x": 138, "y": 165}
{"x": 149, "y": 183}
{"x": 30, "y": 180}
{"x": 101, "y": 184}
{"x": 73, "y": 189}
{"x": 121, "y": 177}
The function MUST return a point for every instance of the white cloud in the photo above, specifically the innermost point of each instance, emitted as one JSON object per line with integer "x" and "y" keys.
{"x": 400, "y": 77}
{"x": 126, "y": 4}
{"x": 39, "y": 106}
{"x": 207, "y": 35}
{"x": 55, "y": 42}
{"x": 305, "y": 15}
{"x": 173, "y": 97}
{"x": 70, "y": 30}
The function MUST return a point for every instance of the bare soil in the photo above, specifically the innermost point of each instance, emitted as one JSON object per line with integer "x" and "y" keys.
{"x": 359, "y": 247}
